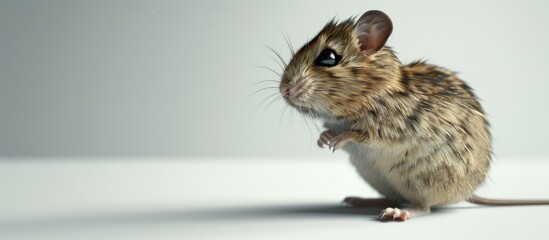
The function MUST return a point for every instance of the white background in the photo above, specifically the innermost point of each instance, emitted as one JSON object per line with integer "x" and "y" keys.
{"x": 172, "y": 78}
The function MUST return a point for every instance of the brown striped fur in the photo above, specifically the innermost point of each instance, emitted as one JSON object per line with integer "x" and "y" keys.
{"x": 417, "y": 132}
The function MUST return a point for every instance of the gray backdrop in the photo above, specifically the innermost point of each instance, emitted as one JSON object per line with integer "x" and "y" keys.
{"x": 172, "y": 78}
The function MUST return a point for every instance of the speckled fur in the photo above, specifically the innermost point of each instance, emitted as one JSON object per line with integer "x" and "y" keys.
{"x": 421, "y": 134}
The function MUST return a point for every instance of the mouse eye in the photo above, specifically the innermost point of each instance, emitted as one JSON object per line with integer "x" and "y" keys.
{"x": 327, "y": 58}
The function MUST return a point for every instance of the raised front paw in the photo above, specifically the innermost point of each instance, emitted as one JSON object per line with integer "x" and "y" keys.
{"x": 336, "y": 142}
{"x": 340, "y": 140}
{"x": 325, "y": 138}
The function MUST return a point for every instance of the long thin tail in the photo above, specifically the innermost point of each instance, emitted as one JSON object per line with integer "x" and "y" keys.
{"x": 506, "y": 202}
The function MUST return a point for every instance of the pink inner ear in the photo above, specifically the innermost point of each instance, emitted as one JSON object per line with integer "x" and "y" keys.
{"x": 363, "y": 40}
{"x": 372, "y": 30}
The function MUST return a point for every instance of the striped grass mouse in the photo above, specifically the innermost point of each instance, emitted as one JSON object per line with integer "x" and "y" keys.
{"x": 416, "y": 133}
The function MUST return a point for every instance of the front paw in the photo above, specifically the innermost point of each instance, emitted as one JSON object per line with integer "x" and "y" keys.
{"x": 325, "y": 138}
{"x": 335, "y": 142}
{"x": 340, "y": 141}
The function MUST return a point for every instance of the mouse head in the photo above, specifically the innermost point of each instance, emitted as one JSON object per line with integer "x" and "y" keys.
{"x": 340, "y": 71}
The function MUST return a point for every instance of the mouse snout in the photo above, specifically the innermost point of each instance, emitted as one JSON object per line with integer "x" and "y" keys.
{"x": 285, "y": 90}
{"x": 292, "y": 91}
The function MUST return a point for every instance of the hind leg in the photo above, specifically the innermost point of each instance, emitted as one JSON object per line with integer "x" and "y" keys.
{"x": 404, "y": 214}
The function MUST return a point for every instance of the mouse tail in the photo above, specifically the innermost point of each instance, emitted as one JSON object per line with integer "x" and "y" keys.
{"x": 506, "y": 202}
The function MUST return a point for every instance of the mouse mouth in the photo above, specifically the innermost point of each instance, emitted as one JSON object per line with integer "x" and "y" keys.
{"x": 300, "y": 95}
{"x": 299, "y": 106}
{"x": 301, "y": 102}
{"x": 311, "y": 112}
{"x": 304, "y": 107}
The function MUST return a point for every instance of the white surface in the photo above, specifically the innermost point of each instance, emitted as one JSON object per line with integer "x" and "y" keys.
{"x": 240, "y": 199}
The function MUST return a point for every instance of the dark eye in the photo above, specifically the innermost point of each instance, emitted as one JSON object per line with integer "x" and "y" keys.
{"x": 327, "y": 58}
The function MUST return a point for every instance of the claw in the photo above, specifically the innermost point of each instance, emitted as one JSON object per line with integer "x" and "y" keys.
{"x": 320, "y": 144}
{"x": 394, "y": 213}
{"x": 338, "y": 142}
{"x": 333, "y": 142}
{"x": 324, "y": 139}
{"x": 384, "y": 212}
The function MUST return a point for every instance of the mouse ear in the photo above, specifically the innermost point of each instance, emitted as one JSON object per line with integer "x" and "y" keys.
{"x": 373, "y": 29}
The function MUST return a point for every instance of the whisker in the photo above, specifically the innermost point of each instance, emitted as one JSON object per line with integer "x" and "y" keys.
{"x": 260, "y": 90}
{"x": 308, "y": 129}
{"x": 314, "y": 102}
{"x": 279, "y": 57}
{"x": 272, "y": 101}
{"x": 267, "y": 98}
{"x": 264, "y": 81}
{"x": 270, "y": 69}
{"x": 289, "y": 43}
{"x": 278, "y": 63}
{"x": 313, "y": 119}
{"x": 292, "y": 116}
{"x": 282, "y": 115}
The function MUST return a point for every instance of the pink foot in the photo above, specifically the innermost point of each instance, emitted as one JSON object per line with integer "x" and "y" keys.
{"x": 404, "y": 214}
{"x": 394, "y": 214}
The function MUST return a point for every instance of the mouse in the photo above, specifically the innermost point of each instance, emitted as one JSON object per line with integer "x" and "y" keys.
{"x": 416, "y": 133}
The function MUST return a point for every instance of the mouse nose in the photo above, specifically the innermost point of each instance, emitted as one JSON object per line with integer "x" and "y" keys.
{"x": 285, "y": 90}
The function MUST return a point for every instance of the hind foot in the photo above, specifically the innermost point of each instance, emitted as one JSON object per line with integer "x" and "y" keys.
{"x": 403, "y": 214}
{"x": 394, "y": 214}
